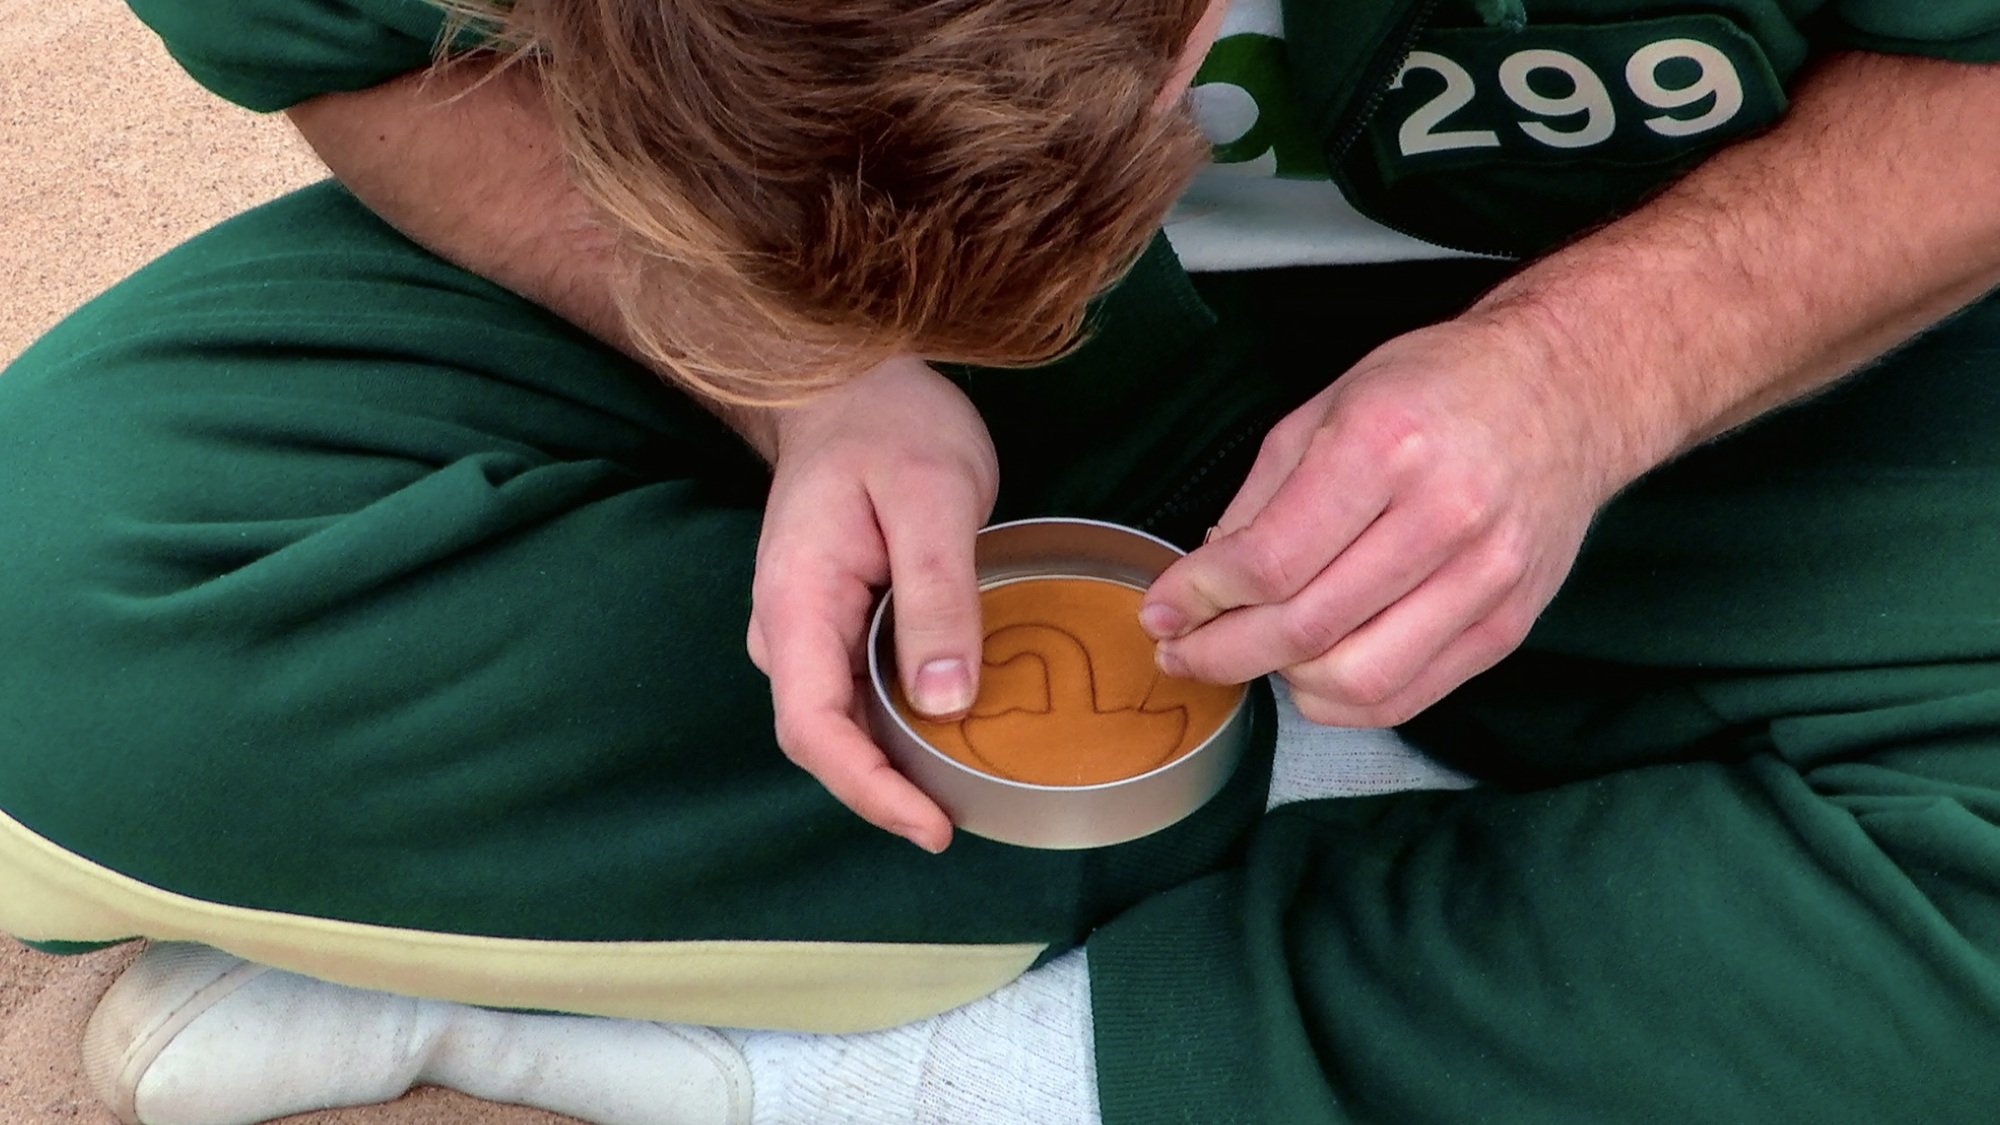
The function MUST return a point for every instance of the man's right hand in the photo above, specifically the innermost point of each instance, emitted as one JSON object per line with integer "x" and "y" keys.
{"x": 886, "y": 479}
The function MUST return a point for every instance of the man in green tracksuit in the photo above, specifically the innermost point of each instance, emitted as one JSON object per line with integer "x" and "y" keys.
{"x": 373, "y": 620}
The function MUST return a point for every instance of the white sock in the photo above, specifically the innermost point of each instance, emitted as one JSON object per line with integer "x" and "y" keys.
{"x": 1315, "y": 761}
{"x": 1022, "y": 1056}
{"x": 1028, "y": 1050}
{"x": 284, "y": 1044}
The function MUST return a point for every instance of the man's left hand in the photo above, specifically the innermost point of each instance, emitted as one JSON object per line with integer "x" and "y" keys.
{"x": 1398, "y": 534}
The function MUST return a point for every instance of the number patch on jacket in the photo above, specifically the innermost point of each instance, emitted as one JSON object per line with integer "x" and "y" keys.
{"x": 1629, "y": 93}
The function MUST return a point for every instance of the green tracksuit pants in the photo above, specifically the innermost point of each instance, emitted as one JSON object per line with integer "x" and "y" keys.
{"x": 364, "y": 619}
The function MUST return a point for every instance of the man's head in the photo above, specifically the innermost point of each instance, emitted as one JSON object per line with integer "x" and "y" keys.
{"x": 859, "y": 178}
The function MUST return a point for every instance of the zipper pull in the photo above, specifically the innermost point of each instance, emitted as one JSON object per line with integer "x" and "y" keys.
{"x": 1508, "y": 15}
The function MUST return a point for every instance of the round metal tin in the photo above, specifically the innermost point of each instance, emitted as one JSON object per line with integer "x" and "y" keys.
{"x": 1054, "y": 816}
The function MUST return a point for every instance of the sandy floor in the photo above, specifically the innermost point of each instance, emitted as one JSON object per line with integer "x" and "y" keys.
{"x": 111, "y": 155}
{"x": 108, "y": 156}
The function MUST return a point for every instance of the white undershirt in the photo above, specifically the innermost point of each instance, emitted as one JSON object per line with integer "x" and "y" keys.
{"x": 1242, "y": 215}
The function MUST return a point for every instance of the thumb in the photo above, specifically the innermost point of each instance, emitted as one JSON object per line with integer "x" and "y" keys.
{"x": 936, "y": 602}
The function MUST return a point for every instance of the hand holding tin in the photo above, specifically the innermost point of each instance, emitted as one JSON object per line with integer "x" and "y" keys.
{"x": 885, "y": 479}
{"x": 1076, "y": 739}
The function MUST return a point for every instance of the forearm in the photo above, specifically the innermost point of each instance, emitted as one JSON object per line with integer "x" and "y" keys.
{"x": 1777, "y": 267}
{"x": 473, "y": 171}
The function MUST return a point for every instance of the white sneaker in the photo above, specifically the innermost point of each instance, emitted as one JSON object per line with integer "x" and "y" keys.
{"x": 190, "y": 1035}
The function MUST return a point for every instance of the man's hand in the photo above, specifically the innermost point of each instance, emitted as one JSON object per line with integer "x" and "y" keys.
{"x": 1401, "y": 532}
{"x": 888, "y": 478}
{"x": 1398, "y": 533}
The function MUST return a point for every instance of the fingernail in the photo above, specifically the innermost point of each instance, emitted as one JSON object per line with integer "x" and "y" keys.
{"x": 1169, "y": 663}
{"x": 1209, "y": 536}
{"x": 944, "y": 687}
{"x": 1162, "y": 621}
{"x": 909, "y": 833}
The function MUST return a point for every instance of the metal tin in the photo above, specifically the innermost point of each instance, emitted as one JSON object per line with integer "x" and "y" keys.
{"x": 1053, "y": 816}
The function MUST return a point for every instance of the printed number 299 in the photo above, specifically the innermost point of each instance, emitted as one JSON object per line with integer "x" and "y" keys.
{"x": 1588, "y": 97}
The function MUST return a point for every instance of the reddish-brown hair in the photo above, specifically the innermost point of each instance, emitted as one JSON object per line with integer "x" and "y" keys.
{"x": 811, "y": 186}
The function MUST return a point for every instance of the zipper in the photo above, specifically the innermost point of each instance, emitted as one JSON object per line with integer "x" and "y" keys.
{"x": 1380, "y": 78}
{"x": 1219, "y": 455}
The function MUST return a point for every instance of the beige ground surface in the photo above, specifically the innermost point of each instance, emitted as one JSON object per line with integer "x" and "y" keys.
{"x": 109, "y": 155}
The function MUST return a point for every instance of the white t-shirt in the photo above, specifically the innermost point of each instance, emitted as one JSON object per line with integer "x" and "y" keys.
{"x": 1265, "y": 200}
